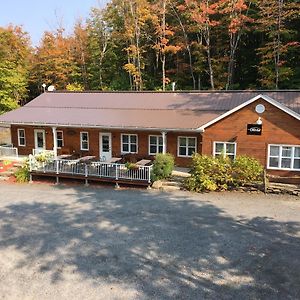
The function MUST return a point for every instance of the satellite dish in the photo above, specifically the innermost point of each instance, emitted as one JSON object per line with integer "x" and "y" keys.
{"x": 51, "y": 88}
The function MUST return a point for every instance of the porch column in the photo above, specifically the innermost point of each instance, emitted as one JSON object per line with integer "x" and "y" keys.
{"x": 164, "y": 138}
{"x": 54, "y": 141}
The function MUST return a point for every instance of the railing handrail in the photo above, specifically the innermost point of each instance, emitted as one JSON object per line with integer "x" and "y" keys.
{"x": 99, "y": 169}
{"x": 6, "y": 148}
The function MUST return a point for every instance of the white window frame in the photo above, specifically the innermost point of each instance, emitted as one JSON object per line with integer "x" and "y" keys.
{"x": 129, "y": 143}
{"x": 157, "y": 145}
{"x": 81, "y": 140}
{"x": 280, "y": 157}
{"x": 224, "y": 144}
{"x": 62, "y": 138}
{"x": 186, "y": 147}
{"x": 19, "y": 144}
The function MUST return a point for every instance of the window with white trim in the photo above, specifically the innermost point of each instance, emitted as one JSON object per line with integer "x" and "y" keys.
{"x": 84, "y": 141}
{"x": 21, "y": 137}
{"x": 60, "y": 138}
{"x": 285, "y": 157}
{"x": 186, "y": 146}
{"x": 225, "y": 149}
{"x": 129, "y": 143}
{"x": 155, "y": 144}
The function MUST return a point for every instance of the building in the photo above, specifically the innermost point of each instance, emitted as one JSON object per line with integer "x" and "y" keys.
{"x": 136, "y": 125}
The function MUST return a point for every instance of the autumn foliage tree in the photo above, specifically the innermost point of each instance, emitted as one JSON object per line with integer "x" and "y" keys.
{"x": 14, "y": 63}
{"x": 147, "y": 44}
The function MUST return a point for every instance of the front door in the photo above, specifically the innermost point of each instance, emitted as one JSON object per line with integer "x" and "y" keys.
{"x": 105, "y": 146}
{"x": 39, "y": 140}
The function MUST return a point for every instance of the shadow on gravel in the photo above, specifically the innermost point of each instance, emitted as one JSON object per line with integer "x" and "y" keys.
{"x": 168, "y": 246}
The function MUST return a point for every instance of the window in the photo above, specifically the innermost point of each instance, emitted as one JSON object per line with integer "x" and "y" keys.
{"x": 284, "y": 157}
{"x": 129, "y": 143}
{"x": 225, "y": 149}
{"x": 84, "y": 141}
{"x": 155, "y": 144}
{"x": 186, "y": 146}
{"x": 21, "y": 137}
{"x": 60, "y": 139}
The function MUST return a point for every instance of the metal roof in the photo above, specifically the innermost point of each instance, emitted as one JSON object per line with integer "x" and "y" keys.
{"x": 137, "y": 110}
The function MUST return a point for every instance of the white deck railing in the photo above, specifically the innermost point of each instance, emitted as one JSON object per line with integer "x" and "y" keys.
{"x": 93, "y": 169}
{"x": 8, "y": 151}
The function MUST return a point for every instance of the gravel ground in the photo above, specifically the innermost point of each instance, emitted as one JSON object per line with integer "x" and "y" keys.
{"x": 73, "y": 242}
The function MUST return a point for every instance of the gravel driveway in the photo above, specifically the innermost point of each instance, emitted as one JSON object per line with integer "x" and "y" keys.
{"x": 97, "y": 243}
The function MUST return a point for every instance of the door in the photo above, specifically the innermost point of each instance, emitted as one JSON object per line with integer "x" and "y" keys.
{"x": 105, "y": 146}
{"x": 39, "y": 140}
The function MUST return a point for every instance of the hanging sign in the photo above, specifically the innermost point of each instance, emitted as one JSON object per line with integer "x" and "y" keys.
{"x": 254, "y": 129}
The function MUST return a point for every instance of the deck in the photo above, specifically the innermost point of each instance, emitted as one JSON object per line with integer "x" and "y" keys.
{"x": 92, "y": 171}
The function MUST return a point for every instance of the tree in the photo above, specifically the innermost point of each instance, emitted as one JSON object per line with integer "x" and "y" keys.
{"x": 14, "y": 58}
{"x": 54, "y": 63}
{"x": 163, "y": 36}
{"x": 203, "y": 13}
{"x": 235, "y": 17}
{"x": 279, "y": 40}
{"x": 79, "y": 46}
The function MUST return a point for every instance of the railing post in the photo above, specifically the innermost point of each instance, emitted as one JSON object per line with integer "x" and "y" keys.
{"x": 86, "y": 174}
{"x": 30, "y": 168}
{"x": 149, "y": 174}
{"x": 117, "y": 177}
{"x": 57, "y": 166}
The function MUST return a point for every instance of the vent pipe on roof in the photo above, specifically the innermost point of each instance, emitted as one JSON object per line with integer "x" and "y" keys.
{"x": 173, "y": 86}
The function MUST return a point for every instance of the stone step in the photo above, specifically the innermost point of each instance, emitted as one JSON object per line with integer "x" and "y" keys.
{"x": 171, "y": 183}
{"x": 170, "y": 188}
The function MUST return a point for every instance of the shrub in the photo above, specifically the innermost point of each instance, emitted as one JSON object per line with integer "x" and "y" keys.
{"x": 217, "y": 173}
{"x": 246, "y": 170}
{"x": 163, "y": 166}
{"x": 22, "y": 174}
{"x": 44, "y": 156}
{"x": 131, "y": 166}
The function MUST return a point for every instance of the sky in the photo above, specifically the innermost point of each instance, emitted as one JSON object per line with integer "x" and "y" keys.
{"x": 37, "y": 16}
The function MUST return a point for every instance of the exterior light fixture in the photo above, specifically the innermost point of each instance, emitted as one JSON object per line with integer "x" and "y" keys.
{"x": 259, "y": 121}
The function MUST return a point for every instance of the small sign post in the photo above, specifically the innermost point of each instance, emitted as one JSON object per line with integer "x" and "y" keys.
{"x": 254, "y": 129}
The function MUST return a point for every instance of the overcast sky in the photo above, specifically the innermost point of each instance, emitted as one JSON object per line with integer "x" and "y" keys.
{"x": 36, "y": 16}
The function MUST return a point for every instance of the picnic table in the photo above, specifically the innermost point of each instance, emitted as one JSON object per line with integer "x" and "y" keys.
{"x": 113, "y": 160}
{"x": 86, "y": 158}
{"x": 143, "y": 162}
{"x": 64, "y": 156}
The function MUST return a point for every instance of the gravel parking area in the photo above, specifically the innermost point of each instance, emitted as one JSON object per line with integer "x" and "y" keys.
{"x": 74, "y": 242}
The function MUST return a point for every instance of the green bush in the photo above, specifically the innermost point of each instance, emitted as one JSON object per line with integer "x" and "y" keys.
{"x": 163, "y": 166}
{"x": 217, "y": 173}
{"x": 246, "y": 170}
{"x": 22, "y": 174}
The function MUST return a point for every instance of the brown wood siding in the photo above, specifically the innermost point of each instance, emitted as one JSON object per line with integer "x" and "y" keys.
{"x": 72, "y": 142}
{"x": 278, "y": 128}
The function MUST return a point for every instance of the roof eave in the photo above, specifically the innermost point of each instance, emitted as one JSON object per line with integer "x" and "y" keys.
{"x": 101, "y": 127}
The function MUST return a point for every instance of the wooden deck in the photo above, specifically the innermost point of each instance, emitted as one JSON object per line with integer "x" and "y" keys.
{"x": 93, "y": 171}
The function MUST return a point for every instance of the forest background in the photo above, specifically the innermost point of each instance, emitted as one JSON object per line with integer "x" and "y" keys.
{"x": 149, "y": 44}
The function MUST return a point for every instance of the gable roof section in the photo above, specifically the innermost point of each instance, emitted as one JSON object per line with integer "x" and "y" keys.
{"x": 237, "y": 108}
{"x": 181, "y": 111}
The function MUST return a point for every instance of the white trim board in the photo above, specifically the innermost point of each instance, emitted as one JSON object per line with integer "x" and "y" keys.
{"x": 263, "y": 97}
